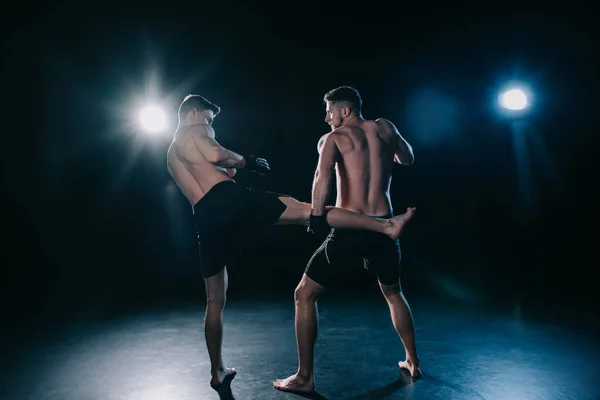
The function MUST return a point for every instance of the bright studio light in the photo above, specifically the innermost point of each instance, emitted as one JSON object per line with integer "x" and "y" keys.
{"x": 153, "y": 119}
{"x": 513, "y": 99}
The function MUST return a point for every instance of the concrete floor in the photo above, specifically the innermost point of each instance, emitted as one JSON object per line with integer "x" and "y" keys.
{"x": 159, "y": 353}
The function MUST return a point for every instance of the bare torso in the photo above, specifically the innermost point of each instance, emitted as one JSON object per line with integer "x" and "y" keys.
{"x": 194, "y": 175}
{"x": 364, "y": 173}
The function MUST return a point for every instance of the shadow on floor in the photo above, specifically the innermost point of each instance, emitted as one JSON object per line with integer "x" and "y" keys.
{"x": 312, "y": 396}
{"x": 224, "y": 390}
{"x": 381, "y": 393}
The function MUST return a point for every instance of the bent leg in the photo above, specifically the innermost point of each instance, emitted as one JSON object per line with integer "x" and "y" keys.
{"x": 298, "y": 213}
{"x": 216, "y": 289}
{"x": 307, "y": 329}
{"x": 403, "y": 322}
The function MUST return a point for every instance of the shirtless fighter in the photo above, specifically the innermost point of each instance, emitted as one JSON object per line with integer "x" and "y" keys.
{"x": 224, "y": 211}
{"x": 363, "y": 153}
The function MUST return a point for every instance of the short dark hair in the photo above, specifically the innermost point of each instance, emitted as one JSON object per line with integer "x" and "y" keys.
{"x": 347, "y": 95}
{"x": 196, "y": 101}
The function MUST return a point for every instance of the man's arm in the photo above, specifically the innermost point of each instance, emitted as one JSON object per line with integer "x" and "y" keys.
{"x": 328, "y": 156}
{"x": 403, "y": 154}
{"x": 213, "y": 152}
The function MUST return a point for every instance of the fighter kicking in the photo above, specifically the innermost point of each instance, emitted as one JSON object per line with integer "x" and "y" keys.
{"x": 363, "y": 153}
{"x": 223, "y": 211}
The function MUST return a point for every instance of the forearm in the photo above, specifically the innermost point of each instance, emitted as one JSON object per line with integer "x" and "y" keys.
{"x": 320, "y": 192}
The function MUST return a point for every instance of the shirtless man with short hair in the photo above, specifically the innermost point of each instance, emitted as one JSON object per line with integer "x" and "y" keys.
{"x": 362, "y": 152}
{"x": 224, "y": 211}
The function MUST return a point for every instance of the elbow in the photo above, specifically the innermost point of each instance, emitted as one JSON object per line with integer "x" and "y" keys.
{"x": 406, "y": 158}
{"x": 214, "y": 156}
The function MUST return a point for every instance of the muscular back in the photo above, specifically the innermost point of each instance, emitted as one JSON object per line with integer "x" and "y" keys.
{"x": 190, "y": 169}
{"x": 364, "y": 170}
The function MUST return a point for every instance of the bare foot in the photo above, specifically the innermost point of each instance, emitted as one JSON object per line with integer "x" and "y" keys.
{"x": 414, "y": 370}
{"x": 226, "y": 374}
{"x": 295, "y": 383}
{"x": 397, "y": 223}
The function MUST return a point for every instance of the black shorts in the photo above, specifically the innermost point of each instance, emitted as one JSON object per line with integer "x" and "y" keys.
{"x": 224, "y": 215}
{"x": 346, "y": 248}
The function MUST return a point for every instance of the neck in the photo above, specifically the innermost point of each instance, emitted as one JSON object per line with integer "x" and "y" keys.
{"x": 351, "y": 119}
{"x": 187, "y": 124}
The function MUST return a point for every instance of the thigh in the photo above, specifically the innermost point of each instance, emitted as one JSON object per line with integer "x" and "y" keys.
{"x": 216, "y": 252}
{"x": 333, "y": 258}
{"x": 383, "y": 258}
{"x": 230, "y": 209}
{"x": 260, "y": 209}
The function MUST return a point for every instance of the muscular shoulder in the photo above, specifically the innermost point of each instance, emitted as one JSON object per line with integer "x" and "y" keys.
{"x": 340, "y": 133}
{"x": 198, "y": 130}
{"x": 332, "y": 137}
{"x": 385, "y": 123}
{"x": 386, "y": 128}
{"x": 195, "y": 133}
{"x": 322, "y": 141}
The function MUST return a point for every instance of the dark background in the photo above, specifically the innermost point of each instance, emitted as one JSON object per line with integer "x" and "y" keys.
{"x": 93, "y": 224}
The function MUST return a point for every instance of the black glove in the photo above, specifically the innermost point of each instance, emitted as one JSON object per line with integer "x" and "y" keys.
{"x": 318, "y": 226}
{"x": 256, "y": 164}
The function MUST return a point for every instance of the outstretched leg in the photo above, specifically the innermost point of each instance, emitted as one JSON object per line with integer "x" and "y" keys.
{"x": 307, "y": 329}
{"x": 298, "y": 213}
{"x": 216, "y": 289}
{"x": 403, "y": 322}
